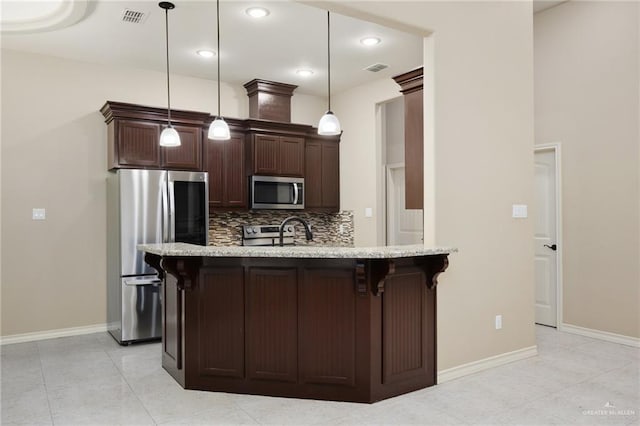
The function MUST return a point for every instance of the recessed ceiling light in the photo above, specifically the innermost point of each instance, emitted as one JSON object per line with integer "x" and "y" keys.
{"x": 370, "y": 41}
{"x": 206, "y": 53}
{"x": 257, "y": 12}
{"x": 304, "y": 73}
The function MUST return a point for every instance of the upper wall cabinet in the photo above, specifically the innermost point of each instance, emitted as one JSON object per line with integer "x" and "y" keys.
{"x": 276, "y": 149}
{"x": 133, "y": 136}
{"x": 322, "y": 173}
{"x": 225, "y": 161}
{"x": 411, "y": 87}
{"x": 256, "y": 147}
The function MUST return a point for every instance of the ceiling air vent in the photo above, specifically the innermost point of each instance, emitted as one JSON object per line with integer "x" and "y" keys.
{"x": 134, "y": 16}
{"x": 376, "y": 67}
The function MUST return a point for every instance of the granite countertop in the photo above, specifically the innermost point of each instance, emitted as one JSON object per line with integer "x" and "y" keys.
{"x": 306, "y": 251}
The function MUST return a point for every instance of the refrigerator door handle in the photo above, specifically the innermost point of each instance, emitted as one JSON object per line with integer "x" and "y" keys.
{"x": 165, "y": 213}
{"x": 143, "y": 281}
{"x": 172, "y": 212}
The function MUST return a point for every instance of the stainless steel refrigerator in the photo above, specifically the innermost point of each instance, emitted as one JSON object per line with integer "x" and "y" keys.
{"x": 143, "y": 207}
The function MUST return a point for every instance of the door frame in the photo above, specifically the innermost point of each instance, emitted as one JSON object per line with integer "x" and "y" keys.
{"x": 555, "y": 148}
{"x": 387, "y": 215}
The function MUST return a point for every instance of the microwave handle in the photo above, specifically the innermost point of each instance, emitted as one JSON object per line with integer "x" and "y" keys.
{"x": 295, "y": 193}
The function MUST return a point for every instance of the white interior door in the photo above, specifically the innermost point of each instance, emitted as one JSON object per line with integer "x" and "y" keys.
{"x": 403, "y": 226}
{"x": 546, "y": 270}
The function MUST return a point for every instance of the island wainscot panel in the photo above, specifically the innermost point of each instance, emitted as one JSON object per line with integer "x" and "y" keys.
{"x": 345, "y": 324}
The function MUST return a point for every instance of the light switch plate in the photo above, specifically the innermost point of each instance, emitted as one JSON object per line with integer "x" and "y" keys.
{"x": 39, "y": 214}
{"x": 519, "y": 210}
{"x": 368, "y": 212}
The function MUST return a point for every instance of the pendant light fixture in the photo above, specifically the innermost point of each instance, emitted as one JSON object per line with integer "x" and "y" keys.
{"x": 329, "y": 123}
{"x": 169, "y": 136}
{"x": 219, "y": 130}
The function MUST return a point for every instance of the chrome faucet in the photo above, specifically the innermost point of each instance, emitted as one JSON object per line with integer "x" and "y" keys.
{"x": 307, "y": 228}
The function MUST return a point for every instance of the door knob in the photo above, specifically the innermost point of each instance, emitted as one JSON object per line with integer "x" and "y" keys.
{"x": 552, "y": 247}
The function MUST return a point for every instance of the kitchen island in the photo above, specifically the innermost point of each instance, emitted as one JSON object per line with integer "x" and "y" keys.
{"x": 336, "y": 323}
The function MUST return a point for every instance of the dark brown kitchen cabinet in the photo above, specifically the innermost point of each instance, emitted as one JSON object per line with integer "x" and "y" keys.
{"x": 322, "y": 174}
{"x": 337, "y": 329}
{"x": 136, "y": 144}
{"x": 326, "y": 320}
{"x": 275, "y": 155}
{"x": 271, "y": 321}
{"x": 411, "y": 87}
{"x": 133, "y": 137}
{"x": 225, "y": 161}
{"x": 187, "y": 156}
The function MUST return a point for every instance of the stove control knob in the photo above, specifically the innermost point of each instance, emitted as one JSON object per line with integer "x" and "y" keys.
{"x": 254, "y": 230}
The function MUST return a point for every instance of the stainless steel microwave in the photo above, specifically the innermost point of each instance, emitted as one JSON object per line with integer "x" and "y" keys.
{"x": 274, "y": 192}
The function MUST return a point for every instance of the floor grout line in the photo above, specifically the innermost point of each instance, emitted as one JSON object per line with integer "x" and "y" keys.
{"x": 44, "y": 383}
{"x": 153, "y": 419}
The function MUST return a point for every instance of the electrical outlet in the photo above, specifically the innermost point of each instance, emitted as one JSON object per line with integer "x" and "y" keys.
{"x": 38, "y": 214}
{"x": 341, "y": 228}
{"x": 519, "y": 211}
{"x": 498, "y": 322}
{"x": 368, "y": 212}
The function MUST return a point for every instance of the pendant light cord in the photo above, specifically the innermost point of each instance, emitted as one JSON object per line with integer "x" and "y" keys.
{"x": 218, "y": 27}
{"x": 329, "y": 59}
{"x": 166, "y": 26}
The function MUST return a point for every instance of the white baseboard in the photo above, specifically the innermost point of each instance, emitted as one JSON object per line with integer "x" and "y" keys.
{"x": 486, "y": 363}
{"x": 52, "y": 334}
{"x": 602, "y": 335}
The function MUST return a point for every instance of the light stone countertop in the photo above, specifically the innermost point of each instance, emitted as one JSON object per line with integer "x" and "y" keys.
{"x": 306, "y": 251}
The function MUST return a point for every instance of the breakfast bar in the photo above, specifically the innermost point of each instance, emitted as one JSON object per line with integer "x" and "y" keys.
{"x": 334, "y": 323}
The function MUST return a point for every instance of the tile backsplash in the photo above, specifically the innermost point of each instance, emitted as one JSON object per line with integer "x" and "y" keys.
{"x": 225, "y": 228}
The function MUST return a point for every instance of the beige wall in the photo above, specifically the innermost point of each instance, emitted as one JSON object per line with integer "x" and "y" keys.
{"x": 360, "y": 156}
{"x": 482, "y": 148}
{"x": 54, "y": 156}
{"x": 587, "y": 82}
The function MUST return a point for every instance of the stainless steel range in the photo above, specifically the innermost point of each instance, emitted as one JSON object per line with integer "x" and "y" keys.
{"x": 266, "y": 235}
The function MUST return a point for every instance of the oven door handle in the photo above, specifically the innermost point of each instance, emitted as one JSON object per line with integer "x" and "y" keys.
{"x": 295, "y": 193}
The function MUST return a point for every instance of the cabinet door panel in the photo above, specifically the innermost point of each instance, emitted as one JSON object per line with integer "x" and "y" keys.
{"x": 405, "y": 352}
{"x": 187, "y": 155}
{"x": 291, "y": 156}
{"x": 271, "y": 321}
{"x": 413, "y": 150}
{"x": 221, "y": 322}
{"x": 265, "y": 154}
{"x": 214, "y": 165}
{"x": 138, "y": 143}
{"x": 313, "y": 175}
{"x": 331, "y": 176}
{"x": 328, "y": 327}
{"x": 235, "y": 183}
{"x": 172, "y": 322}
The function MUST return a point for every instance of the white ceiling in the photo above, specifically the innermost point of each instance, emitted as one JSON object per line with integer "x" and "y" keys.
{"x": 293, "y": 36}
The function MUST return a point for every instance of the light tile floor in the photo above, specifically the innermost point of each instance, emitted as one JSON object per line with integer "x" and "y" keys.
{"x": 91, "y": 380}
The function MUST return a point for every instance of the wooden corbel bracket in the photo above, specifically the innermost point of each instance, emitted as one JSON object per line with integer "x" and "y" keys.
{"x": 379, "y": 270}
{"x": 154, "y": 260}
{"x": 185, "y": 269}
{"x": 432, "y": 267}
{"x": 375, "y": 272}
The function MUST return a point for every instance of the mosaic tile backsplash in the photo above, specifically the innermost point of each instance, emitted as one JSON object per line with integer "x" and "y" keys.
{"x": 225, "y": 228}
